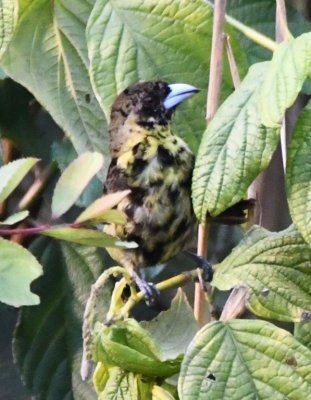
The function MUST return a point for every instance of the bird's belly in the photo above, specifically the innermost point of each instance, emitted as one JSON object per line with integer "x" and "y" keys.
{"x": 162, "y": 223}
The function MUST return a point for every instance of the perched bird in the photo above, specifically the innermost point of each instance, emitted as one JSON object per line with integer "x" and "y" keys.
{"x": 156, "y": 166}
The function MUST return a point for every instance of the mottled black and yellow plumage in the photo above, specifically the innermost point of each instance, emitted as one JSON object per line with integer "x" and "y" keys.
{"x": 156, "y": 166}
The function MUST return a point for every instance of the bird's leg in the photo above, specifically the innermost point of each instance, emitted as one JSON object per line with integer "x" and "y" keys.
{"x": 149, "y": 290}
{"x": 204, "y": 264}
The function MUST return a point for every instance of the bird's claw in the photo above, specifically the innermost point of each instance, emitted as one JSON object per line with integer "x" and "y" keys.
{"x": 205, "y": 265}
{"x": 149, "y": 290}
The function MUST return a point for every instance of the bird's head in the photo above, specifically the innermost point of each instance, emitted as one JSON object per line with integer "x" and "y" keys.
{"x": 152, "y": 102}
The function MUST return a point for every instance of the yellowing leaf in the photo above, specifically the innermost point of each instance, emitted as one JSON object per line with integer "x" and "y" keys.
{"x": 97, "y": 209}
{"x": 14, "y": 218}
{"x": 74, "y": 180}
{"x": 11, "y": 175}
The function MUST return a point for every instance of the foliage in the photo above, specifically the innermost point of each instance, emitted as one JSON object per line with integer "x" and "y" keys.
{"x": 74, "y": 57}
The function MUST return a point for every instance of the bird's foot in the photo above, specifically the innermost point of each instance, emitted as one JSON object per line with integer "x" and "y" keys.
{"x": 202, "y": 263}
{"x": 149, "y": 290}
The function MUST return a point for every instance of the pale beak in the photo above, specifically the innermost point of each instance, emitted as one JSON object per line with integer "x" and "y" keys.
{"x": 179, "y": 92}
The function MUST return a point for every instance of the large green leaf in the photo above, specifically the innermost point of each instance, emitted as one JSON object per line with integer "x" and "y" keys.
{"x": 234, "y": 149}
{"x": 276, "y": 269}
{"x": 286, "y": 74}
{"x": 245, "y": 359}
{"x": 298, "y": 174}
{"x": 48, "y": 56}
{"x": 18, "y": 268}
{"x": 260, "y": 15}
{"x": 8, "y": 19}
{"x": 137, "y": 40}
{"x": 48, "y": 338}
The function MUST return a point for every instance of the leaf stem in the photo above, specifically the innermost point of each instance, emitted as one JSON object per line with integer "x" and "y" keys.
{"x": 25, "y": 231}
{"x": 250, "y": 33}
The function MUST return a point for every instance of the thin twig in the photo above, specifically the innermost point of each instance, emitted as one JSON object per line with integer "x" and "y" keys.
{"x": 215, "y": 73}
{"x": 35, "y": 189}
{"x": 232, "y": 64}
{"x": 202, "y": 312}
{"x": 282, "y": 34}
{"x": 236, "y": 302}
{"x": 250, "y": 33}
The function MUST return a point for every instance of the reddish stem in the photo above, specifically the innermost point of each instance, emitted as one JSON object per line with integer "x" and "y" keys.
{"x": 34, "y": 231}
{"x": 24, "y": 231}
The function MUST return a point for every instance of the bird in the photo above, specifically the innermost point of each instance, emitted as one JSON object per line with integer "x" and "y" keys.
{"x": 156, "y": 166}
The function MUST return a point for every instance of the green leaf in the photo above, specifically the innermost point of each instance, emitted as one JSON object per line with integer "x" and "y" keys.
{"x": 298, "y": 174}
{"x": 130, "y": 347}
{"x": 48, "y": 56}
{"x": 286, "y": 74}
{"x": 48, "y": 340}
{"x": 260, "y": 15}
{"x": 88, "y": 237}
{"x": 18, "y": 268}
{"x": 11, "y": 175}
{"x": 14, "y": 218}
{"x": 8, "y": 20}
{"x": 98, "y": 209}
{"x": 135, "y": 40}
{"x": 276, "y": 269}
{"x": 234, "y": 149}
{"x": 245, "y": 359}
{"x": 173, "y": 329}
{"x": 302, "y": 333}
{"x": 74, "y": 180}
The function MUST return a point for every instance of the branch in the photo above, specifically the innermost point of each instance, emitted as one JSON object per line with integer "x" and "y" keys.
{"x": 202, "y": 312}
{"x": 282, "y": 34}
{"x": 215, "y": 73}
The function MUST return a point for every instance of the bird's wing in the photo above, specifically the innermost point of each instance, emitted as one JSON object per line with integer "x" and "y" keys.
{"x": 116, "y": 179}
